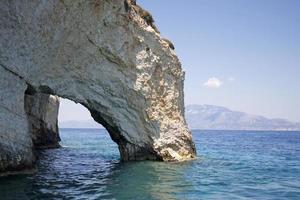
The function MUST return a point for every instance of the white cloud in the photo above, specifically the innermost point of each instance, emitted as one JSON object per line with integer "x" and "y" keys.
{"x": 213, "y": 82}
{"x": 231, "y": 79}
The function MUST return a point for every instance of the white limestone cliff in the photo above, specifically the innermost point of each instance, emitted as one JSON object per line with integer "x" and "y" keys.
{"x": 102, "y": 54}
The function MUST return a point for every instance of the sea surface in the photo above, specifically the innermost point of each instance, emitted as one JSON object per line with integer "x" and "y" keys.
{"x": 230, "y": 165}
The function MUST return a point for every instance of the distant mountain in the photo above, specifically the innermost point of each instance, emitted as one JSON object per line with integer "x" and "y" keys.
{"x": 221, "y": 118}
{"x": 210, "y": 117}
{"x": 79, "y": 124}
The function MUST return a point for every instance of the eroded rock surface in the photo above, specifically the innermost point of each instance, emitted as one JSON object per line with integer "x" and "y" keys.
{"x": 101, "y": 54}
{"x": 42, "y": 113}
{"x": 16, "y": 151}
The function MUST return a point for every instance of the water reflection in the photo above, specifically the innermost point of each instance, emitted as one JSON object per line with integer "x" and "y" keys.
{"x": 97, "y": 178}
{"x": 148, "y": 180}
{"x": 234, "y": 166}
{"x": 88, "y": 167}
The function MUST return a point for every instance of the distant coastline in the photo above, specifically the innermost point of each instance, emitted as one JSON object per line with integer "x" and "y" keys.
{"x": 206, "y": 130}
{"x": 211, "y": 117}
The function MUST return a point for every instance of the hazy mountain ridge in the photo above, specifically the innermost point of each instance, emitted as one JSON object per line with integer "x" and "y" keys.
{"x": 221, "y": 118}
{"x": 210, "y": 117}
{"x": 79, "y": 124}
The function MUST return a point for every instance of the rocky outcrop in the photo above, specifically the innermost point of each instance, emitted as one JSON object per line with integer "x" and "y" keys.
{"x": 103, "y": 55}
{"x": 42, "y": 113}
{"x": 16, "y": 152}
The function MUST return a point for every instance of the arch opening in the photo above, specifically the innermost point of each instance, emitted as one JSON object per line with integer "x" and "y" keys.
{"x": 75, "y": 115}
{"x": 42, "y": 109}
{"x": 47, "y": 114}
{"x": 78, "y": 130}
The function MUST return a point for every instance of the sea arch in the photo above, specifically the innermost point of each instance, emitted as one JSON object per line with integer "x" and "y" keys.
{"x": 103, "y": 55}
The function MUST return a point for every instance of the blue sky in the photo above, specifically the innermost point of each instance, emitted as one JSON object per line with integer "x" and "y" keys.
{"x": 241, "y": 54}
{"x": 254, "y": 42}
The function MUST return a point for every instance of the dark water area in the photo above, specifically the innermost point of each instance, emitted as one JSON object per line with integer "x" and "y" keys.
{"x": 230, "y": 165}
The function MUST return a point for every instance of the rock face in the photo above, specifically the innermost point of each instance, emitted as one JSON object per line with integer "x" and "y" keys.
{"x": 16, "y": 151}
{"x": 101, "y": 54}
{"x": 42, "y": 113}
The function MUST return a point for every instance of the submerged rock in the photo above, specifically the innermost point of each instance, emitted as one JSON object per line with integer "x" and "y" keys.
{"x": 101, "y": 54}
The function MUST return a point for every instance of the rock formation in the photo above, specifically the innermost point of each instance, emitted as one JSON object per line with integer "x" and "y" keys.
{"x": 101, "y": 54}
{"x": 42, "y": 113}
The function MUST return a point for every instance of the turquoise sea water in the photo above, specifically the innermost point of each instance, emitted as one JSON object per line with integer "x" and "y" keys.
{"x": 230, "y": 165}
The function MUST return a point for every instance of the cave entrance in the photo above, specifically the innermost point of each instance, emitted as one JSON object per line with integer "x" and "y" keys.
{"x": 80, "y": 133}
{"x": 84, "y": 148}
{"x": 42, "y": 108}
{"x": 58, "y": 122}
{"x": 74, "y": 115}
